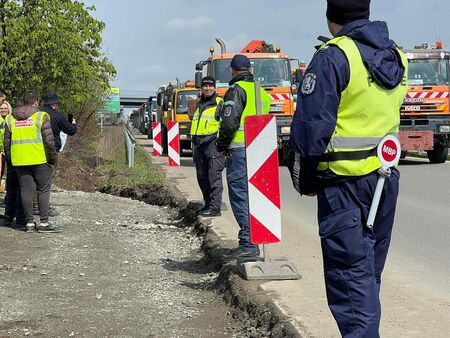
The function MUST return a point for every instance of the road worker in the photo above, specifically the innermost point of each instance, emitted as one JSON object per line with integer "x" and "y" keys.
{"x": 208, "y": 162}
{"x": 348, "y": 101}
{"x": 239, "y": 102}
{"x": 30, "y": 149}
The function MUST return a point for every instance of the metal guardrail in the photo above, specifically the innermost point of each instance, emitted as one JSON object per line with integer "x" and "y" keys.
{"x": 130, "y": 145}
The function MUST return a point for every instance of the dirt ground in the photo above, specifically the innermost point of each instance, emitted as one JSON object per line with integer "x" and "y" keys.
{"x": 121, "y": 268}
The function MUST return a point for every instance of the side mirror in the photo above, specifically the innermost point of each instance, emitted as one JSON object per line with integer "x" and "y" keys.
{"x": 198, "y": 79}
{"x": 298, "y": 76}
{"x": 160, "y": 99}
{"x": 199, "y": 66}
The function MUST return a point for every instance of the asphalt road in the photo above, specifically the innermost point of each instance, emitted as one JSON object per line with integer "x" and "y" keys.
{"x": 416, "y": 281}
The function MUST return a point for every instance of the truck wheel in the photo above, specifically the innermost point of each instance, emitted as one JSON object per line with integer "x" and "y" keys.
{"x": 439, "y": 154}
{"x": 165, "y": 145}
{"x": 403, "y": 153}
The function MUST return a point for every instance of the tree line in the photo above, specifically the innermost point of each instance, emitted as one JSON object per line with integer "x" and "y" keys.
{"x": 54, "y": 45}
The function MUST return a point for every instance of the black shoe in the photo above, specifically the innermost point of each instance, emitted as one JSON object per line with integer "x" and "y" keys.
{"x": 20, "y": 226}
{"x": 8, "y": 221}
{"x": 49, "y": 228}
{"x": 210, "y": 213}
{"x": 203, "y": 208}
{"x": 241, "y": 253}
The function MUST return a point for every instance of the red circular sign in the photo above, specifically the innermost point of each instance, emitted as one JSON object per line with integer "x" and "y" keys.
{"x": 389, "y": 150}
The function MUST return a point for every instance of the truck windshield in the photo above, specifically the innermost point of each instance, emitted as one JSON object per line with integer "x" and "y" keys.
{"x": 183, "y": 98}
{"x": 428, "y": 73}
{"x": 271, "y": 72}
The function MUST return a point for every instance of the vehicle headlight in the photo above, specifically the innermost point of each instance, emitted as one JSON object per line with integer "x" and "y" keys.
{"x": 183, "y": 137}
{"x": 286, "y": 130}
{"x": 444, "y": 129}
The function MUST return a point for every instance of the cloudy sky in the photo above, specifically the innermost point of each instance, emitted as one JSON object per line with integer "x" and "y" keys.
{"x": 152, "y": 42}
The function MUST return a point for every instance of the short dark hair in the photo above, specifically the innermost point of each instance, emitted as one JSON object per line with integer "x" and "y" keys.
{"x": 3, "y": 92}
{"x": 30, "y": 97}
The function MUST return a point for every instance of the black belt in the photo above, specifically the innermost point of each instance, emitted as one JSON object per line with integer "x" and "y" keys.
{"x": 348, "y": 155}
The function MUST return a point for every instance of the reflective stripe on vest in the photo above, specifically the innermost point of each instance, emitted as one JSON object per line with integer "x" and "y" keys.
{"x": 27, "y": 146}
{"x": 205, "y": 123}
{"x": 238, "y": 140}
{"x": 366, "y": 113}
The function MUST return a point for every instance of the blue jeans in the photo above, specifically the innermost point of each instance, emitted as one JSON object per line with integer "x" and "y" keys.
{"x": 236, "y": 164}
{"x": 354, "y": 255}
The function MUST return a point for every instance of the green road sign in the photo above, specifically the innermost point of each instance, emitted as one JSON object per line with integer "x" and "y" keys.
{"x": 112, "y": 104}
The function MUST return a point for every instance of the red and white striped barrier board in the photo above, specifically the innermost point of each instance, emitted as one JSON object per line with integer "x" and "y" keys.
{"x": 157, "y": 139}
{"x": 173, "y": 140}
{"x": 263, "y": 179}
{"x": 427, "y": 95}
{"x": 280, "y": 97}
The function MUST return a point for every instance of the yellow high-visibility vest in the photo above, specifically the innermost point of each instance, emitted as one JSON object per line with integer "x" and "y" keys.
{"x": 238, "y": 140}
{"x": 367, "y": 113}
{"x": 27, "y": 146}
{"x": 206, "y": 123}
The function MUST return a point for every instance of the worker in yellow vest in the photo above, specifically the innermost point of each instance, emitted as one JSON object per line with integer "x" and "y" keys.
{"x": 209, "y": 163}
{"x": 30, "y": 149}
{"x": 239, "y": 102}
{"x": 348, "y": 102}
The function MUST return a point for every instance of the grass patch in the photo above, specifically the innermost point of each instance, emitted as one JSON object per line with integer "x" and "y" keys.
{"x": 115, "y": 171}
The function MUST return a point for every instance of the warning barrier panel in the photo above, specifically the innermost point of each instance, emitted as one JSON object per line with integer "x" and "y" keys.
{"x": 263, "y": 179}
{"x": 157, "y": 139}
{"x": 173, "y": 140}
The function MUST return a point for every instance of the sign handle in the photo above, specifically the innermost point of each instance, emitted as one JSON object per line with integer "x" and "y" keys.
{"x": 384, "y": 173}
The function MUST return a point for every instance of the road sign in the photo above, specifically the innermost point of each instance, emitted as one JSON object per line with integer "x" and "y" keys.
{"x": 389, "y": 151}
{"x": 157, "y": 139}
{"x": 173, "y": 139}
{"x": 112, "y": 104}
{"x": 263, "y": 179}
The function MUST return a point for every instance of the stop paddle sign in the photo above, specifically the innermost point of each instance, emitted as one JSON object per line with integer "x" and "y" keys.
{"x": 389, "y": 151}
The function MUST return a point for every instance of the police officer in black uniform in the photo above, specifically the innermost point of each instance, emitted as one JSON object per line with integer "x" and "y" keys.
{"x": 208, "y": 162}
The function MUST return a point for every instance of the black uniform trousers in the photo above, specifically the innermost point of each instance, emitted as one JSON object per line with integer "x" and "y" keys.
{"x": 209, "y": 165}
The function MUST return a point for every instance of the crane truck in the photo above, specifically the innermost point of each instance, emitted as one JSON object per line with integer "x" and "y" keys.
{"x": 272, "y": 69}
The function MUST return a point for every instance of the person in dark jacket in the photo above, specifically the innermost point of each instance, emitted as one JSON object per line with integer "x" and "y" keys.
{"x": 59, "y": 122}
{"x": 348, "y": 101}
{"x": 30, "y": 149}
{"x": 209, "y": 163}
{"x": 239, "y": 102}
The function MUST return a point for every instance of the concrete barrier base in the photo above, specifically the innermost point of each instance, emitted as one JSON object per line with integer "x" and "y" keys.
{"x": 269, "y": 269}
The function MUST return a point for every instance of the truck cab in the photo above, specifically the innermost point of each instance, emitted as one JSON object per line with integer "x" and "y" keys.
{"x": 425, "y": 113}
{"x": 272, "y": 69}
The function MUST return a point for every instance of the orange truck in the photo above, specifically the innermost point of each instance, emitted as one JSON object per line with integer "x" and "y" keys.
{"x": 425, "y": 113}
{"x": 273, "y": 69}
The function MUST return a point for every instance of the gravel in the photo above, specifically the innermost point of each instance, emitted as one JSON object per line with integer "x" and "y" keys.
{"x": 120, "y": 268}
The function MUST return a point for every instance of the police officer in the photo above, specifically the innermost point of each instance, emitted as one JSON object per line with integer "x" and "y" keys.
{"x": 348, "y": 101}
{"x": 30, "y": 149}
{"x": 208, "y": 162}
{"x": 239, "y": 102}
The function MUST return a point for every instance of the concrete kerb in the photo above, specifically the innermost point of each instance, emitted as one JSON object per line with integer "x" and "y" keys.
{"x": 247, "y": 297}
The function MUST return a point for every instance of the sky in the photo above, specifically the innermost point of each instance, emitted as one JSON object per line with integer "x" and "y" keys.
{"x": 152, "y": 42}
